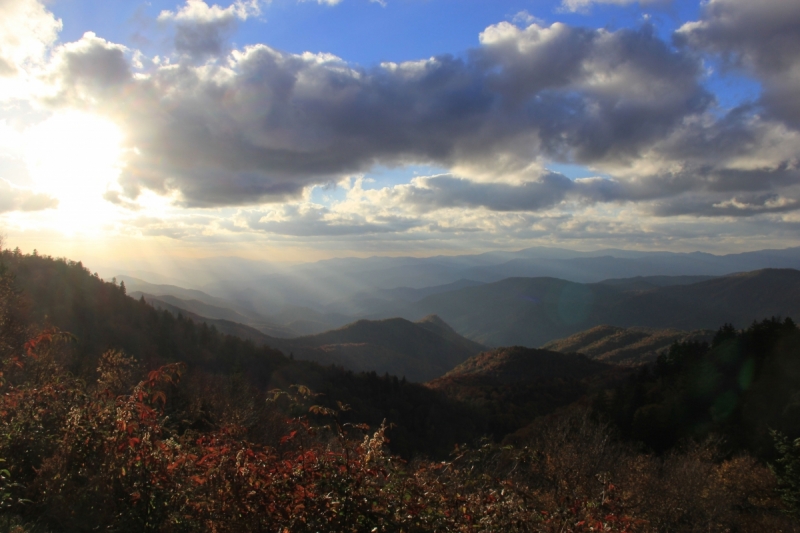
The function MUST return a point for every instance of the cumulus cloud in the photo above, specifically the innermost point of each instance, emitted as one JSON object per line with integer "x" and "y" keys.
{"x": 201, "y": 30}
{"x": 19, "y": 199}
{"x": 760, "y": 37}
{"x": 261, "y": 125}
{"x": 258, "y": 125}
{"x": 27, "y": 30}
{"x": 708, "y": 162}
{"x": 91, "y": 68}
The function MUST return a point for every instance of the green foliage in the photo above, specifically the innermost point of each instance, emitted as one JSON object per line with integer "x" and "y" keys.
{"x": 740, "y": 386}
{"x": 787, "y": 469}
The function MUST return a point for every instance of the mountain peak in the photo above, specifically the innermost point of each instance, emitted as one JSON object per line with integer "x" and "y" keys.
{"x": 435, "y": 321}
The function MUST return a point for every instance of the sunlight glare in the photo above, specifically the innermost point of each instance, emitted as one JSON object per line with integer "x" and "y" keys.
{"x": 74, "y": 157}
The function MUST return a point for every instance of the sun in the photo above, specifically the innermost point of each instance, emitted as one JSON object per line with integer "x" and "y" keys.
{"x": 74, "y": 156}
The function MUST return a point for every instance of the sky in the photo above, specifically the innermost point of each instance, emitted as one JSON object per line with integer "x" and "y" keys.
{"x": 295, "y": 130}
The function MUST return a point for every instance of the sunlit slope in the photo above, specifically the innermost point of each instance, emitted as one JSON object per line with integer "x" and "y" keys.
{"x": 534, "y": 311}
{"x": 625, "y": 346}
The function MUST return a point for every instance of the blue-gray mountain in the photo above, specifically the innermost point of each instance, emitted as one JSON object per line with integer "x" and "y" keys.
{"x": 533, "y": 311}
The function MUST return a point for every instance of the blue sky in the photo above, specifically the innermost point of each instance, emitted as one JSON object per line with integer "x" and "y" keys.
{"x": 308, "y": 129}
{"x": 361, "y": 31}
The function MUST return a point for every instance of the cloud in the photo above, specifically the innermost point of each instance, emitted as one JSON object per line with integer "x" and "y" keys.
{"x": 260, "y": 125}
{"x": 257, "y": 125}
{"x": 446, "y": 191}
{"x": 762, "y": 38}
{"x": 27, "y": 31}
{"x": 201, "y": 30}
{"x": 308, "y": 220}
{"x": 18, "y": 199}
{"x": 746, "y": 205}
{"x": 525, "y": 19}
{"x": 91, "y": 68}
{"x": 708, "y": 161}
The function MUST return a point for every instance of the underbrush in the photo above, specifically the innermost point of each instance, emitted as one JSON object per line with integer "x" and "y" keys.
{"x": 82, "y": 456}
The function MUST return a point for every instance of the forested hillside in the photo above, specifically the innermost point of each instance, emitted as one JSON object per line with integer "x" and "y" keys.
{"x": 742, "y": 385}
{"x": 625, "y": 346}
{"x": 100, "y": 317}
{"x": 418, "y": 351}
{"x": 119, "y": 417}
{"x": 513, "y": 386}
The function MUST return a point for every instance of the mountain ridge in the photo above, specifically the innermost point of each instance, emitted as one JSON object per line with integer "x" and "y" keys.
{"x": 533, "y": 311}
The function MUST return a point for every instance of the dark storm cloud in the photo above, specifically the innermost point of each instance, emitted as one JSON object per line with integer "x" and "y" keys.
{"x": 264, "y": 125}
{"x": 763, "y": 38}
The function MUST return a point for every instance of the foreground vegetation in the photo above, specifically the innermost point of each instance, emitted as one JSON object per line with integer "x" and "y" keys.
{"x": 160, "y": 439}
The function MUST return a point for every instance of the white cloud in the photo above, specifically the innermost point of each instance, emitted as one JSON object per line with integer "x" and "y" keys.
{"x": 200, "y": 29}
{"x": 18, "y": 199}
{"x": 326, "y": 2}
{"x": 197, "y": 11}
{"x": 27, "y": 30}
{"x": 523, "y": 18}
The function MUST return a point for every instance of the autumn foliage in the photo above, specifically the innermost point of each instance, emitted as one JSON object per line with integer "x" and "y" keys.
{"x": 83, "y": 458}
{"x": 132, "y": 445}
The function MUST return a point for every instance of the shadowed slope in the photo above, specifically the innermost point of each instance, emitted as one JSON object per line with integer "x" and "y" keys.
{"x": 419, "y": 351}
{"x": 512, "y": 386}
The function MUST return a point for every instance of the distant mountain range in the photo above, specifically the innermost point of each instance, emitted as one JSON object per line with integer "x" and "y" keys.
{"x": 517, "y": 311}
{"x": 313, "y": 297}
{"x": 418, "y": 351}
{"x": 534, "y": 311}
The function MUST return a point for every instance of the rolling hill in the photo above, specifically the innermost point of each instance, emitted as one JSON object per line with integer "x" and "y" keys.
{"x": 418, "y": 351}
